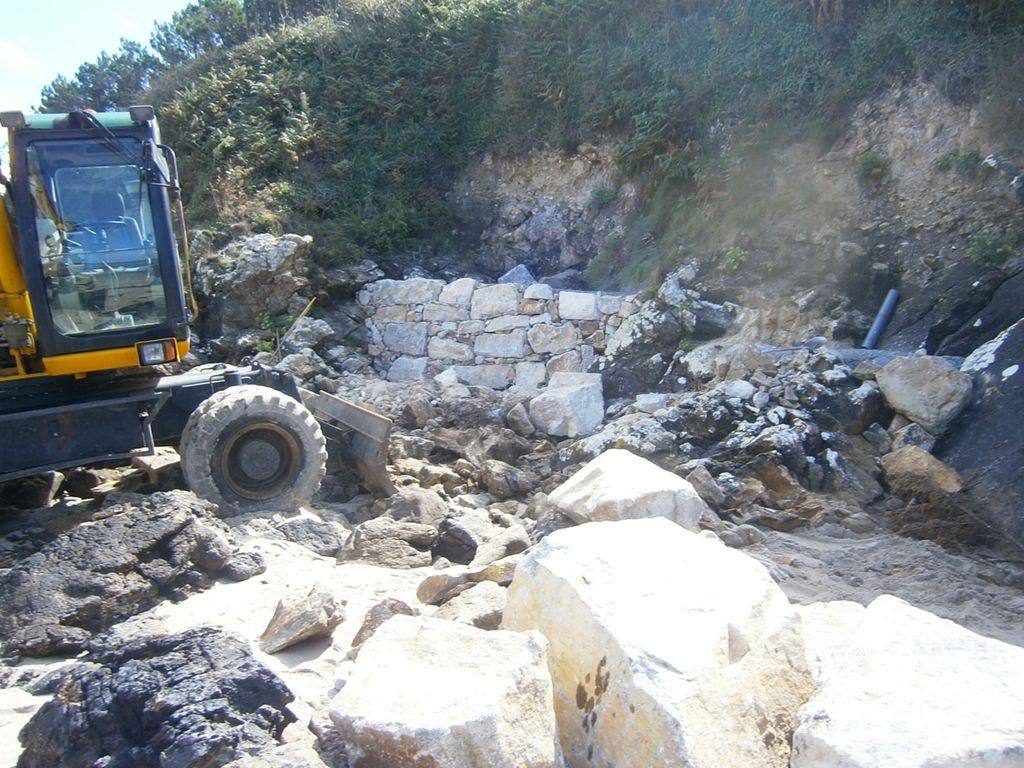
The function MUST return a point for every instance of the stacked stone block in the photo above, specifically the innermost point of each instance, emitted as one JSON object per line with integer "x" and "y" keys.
{"x": 498, "y": 335}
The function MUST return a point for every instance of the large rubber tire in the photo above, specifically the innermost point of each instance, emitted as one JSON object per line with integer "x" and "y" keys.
{"x": 252, "y": 447}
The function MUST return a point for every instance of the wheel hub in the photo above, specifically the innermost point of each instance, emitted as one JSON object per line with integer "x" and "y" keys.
{"x": 260, "y": 461}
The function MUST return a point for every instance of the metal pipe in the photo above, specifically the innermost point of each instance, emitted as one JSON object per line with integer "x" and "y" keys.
{"x": 881, "y": 319}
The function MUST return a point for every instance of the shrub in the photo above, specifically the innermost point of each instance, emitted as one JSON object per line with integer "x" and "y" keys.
{"x": 992, "y": 248}
{"x": 963, "y": 162}
{"x": 602, "y": 197}
{"x": 732, "y": 259}
{"x": 351, "y": 126}
{"x": 872, "y": 167}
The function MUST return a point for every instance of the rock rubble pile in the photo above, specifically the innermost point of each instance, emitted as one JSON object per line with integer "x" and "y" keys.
{"x": 654, "y": 564}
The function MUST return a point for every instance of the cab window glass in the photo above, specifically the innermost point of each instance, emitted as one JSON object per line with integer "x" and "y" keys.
{"x": 95, "y": 235}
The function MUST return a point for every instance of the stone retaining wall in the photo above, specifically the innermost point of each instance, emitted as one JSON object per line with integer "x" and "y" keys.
{"x": 496, "y": 335}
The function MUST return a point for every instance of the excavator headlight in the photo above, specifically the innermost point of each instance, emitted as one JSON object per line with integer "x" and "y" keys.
{"x": 157, "y": 352}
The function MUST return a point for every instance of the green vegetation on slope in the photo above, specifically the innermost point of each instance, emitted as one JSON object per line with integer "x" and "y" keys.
{"x": 349, "y": 125}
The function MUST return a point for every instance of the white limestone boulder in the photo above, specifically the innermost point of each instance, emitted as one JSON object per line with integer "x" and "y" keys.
{"x": 431, "y": 692}
{"x": 420, "y": 290}
{"x": 572, "y": 405}
{"x": 619, "y": 485}
{"x": 458, "y": 293}
{"x": 406, "y": 338}
{"x": 494, "y": 301}
{"x": 906, "y": 689}
{"x": 927, "y": 390}
{"x": 578, "y": 305}
{"x": 666, "y": 648}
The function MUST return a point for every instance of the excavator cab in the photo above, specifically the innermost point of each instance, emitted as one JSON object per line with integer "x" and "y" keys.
{"x": 95, "y": 261}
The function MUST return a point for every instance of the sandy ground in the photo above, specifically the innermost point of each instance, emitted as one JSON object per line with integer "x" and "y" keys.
{"x": 829, "y": 565}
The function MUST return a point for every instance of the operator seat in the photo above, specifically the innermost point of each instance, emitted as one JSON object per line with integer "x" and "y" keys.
{"x": 108, "y": 217}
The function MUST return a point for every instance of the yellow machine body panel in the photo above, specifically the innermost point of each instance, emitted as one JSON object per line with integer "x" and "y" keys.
{"x": 15, "y": 307}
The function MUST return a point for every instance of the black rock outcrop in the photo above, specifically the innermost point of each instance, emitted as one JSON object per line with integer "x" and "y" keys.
{"x": 985, "y": 443}
{"x": 142, "y": 551}
{"x": 193, "y": 700}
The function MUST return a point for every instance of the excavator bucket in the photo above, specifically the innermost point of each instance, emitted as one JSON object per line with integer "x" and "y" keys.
{"x": 360, "y": 435}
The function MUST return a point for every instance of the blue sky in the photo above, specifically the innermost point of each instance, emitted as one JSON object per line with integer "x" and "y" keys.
{"x": 40, "y": 39}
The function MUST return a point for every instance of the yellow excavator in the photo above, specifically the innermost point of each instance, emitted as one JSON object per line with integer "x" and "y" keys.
{"x": 93, "y": 299}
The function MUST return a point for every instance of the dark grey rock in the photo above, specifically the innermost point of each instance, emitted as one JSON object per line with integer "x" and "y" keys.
{"x": 984, "y": 444}
{"x": 504, "y": 481}
{"x": 929, "y": 314}
{"x": 100, "y": 573}
{"x": 324, "y": 538}
{"x": 32, "y": 492}
{"x": 915, "y": 435}
{"x": 478, "y": 445}
{"x": 420, "y": 505}
{"x": 460, "y": 536}
{"x": 22, "y": 541}
{"x": 244, "y": 565}
{"x": 520, "y": 275}
{"x": 998, "y": 314}
{"x": 193, "y": 700}
{"x": 345, "y": 282}
{"x": 390, "y": 543}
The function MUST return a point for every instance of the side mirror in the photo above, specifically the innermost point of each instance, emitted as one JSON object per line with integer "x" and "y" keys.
{"x": 159, "y": 166}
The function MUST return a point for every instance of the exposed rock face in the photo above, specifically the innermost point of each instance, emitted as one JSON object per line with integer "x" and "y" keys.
{"x": 165, "y": 546}
{"x": 639, "y": 354}
{"x": 194, "y": 700}
{"x": 537, "y": 210}
{"x": 927, "y": 390}
{"x": 619, "y": 485}
{"x": 264, "y": 275}
{"x": 649, "y": 626}
{"x": 985, "y": 444}
{"x": 411, "y": 700}
{"x": 904, "y": 687}
{"x": 1000, "y": 312}
{"x": 937, "y": 315}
